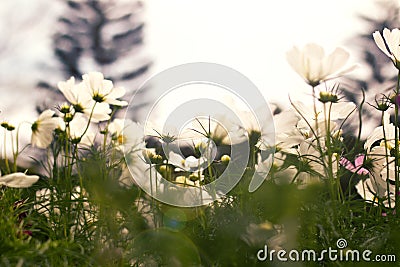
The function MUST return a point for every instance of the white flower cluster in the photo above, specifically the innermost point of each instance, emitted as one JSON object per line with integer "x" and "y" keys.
{"x": 89, "y": 101}
{"x": 313, "y": 135}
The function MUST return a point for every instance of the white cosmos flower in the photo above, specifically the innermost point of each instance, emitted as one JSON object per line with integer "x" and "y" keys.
{"x": 42, "y": 129}
{"x": 383, "y": 171}
{"x": 18, "y": 180}
{"x": 116, "y": 128}
{"x": 389, "y": 44}
{"x": 192, "y": 180}
{"x": 317, "y": 118}
{"x": 287, "y": 135}
{"x": 126, "y": 134}
{"x": 80, "y": 98}
{"x": 78, "y": 126}
{"x": 43, "y": 202}
{"x": 374, "y": 190}
{"x": 386, "y": 131}
{"x": 244, "y": 123}
{"x": 311, "y": 156}
{"x": 282, "y": 174}
{"x": 379, "y": 186}
{"x": 77, "y": 130}
{"x": 46, "y": 203}
{"x": 80, "y": 195}
{"x": 102, "y": 90}
{"x": 308, "y": 150}
{"x": 219, "y": 128}
{"x": 263, "y": 130}
{"x": 314, "y": 66}
{"x": 190, "y": 163}
{"x": 207, "y": 152}
{"x": 335, "y": 111}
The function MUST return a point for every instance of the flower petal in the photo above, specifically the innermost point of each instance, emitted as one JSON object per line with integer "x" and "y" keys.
{"x": 381, "y": 43}
{"x": 93, "y": 81}
{"x": 67, "y": 89}
{"x": 18, "y": 180}
{"x": 335, "y": 61}
{"x": 359, "y": 161}
{"x": 347, "y": 164}
{"x": 394, "y": 43}
{"x": 48, "y": 113}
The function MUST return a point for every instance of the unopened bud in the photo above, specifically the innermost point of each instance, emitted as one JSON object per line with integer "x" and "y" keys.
{"x": 326, "y": 97}
{"x": 225, "y": 159}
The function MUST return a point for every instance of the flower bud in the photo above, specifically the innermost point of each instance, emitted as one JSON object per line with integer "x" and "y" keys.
{"x": 393, "y": 98}
{"x": 76, "y": 140}
{"x": 65, "y": 108}
{"x": 382, "y": 106}
{"x": 68, "y": 117}
{"x": 225, "y": 159}
{"x": 326, "y": 97}
{"x": 166, "y": 171}
{"x": 201, "y": 147}
{"x": 194, "y": 177}
{"x": 7, "y": 126}
{"x": 147, "y": 155}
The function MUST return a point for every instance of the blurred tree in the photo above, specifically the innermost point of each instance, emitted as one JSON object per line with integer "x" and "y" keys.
{"x": 380, "y": 75}
{"x": 105, "y": 36}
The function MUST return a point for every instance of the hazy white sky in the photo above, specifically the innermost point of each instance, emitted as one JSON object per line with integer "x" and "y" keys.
{"x": 249, "y": 36}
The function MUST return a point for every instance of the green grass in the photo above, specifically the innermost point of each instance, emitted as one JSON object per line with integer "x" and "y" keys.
{"x": 132, "y": 230}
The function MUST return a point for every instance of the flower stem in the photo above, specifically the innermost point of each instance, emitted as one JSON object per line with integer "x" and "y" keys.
{"x": 106, "y": 130}
{"x": 16, "y": 149}
{"x": 5, "y": 152}
{"x": 396, "y": 144}
{"x": 329, "y": 166}
{"x": 387, "y": 159}
{"x": 315, "y": 108}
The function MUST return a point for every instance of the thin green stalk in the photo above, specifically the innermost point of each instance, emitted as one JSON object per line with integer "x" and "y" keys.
{"x": 328, "y": 169}
{"x": 200, "y": 186}
{"x": 5, "y": 152}
{"x": 318, "y": 147}
{"x": 152, "y": 203}
{"x": 360, "y": 120}
{"x": 89, "y": 121}
{"x": 396, "y": 144}
{"x": 67, "y": 159}
{"x": 13, "y": 153}
{"x": 106, "y": 130}
{"x": 16, "y": 149}
{"x": 386, "y": 158}
{"x": 315, "y": 108}
{"x": 76, "y": 157}
{"x": 295, "y": 177}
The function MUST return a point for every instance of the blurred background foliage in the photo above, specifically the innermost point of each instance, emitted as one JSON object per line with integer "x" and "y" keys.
{"x": 105, "y": 36}
{"x": 379, "y": 77}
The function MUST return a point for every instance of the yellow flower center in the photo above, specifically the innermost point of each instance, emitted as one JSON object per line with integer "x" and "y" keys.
{"x": 121, "y": 139}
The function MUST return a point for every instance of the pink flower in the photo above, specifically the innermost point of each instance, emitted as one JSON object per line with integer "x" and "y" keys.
{"x": 357, "y": 167}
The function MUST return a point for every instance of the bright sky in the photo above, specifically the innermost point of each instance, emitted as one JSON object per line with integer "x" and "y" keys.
{"x": 249, "y": 36}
